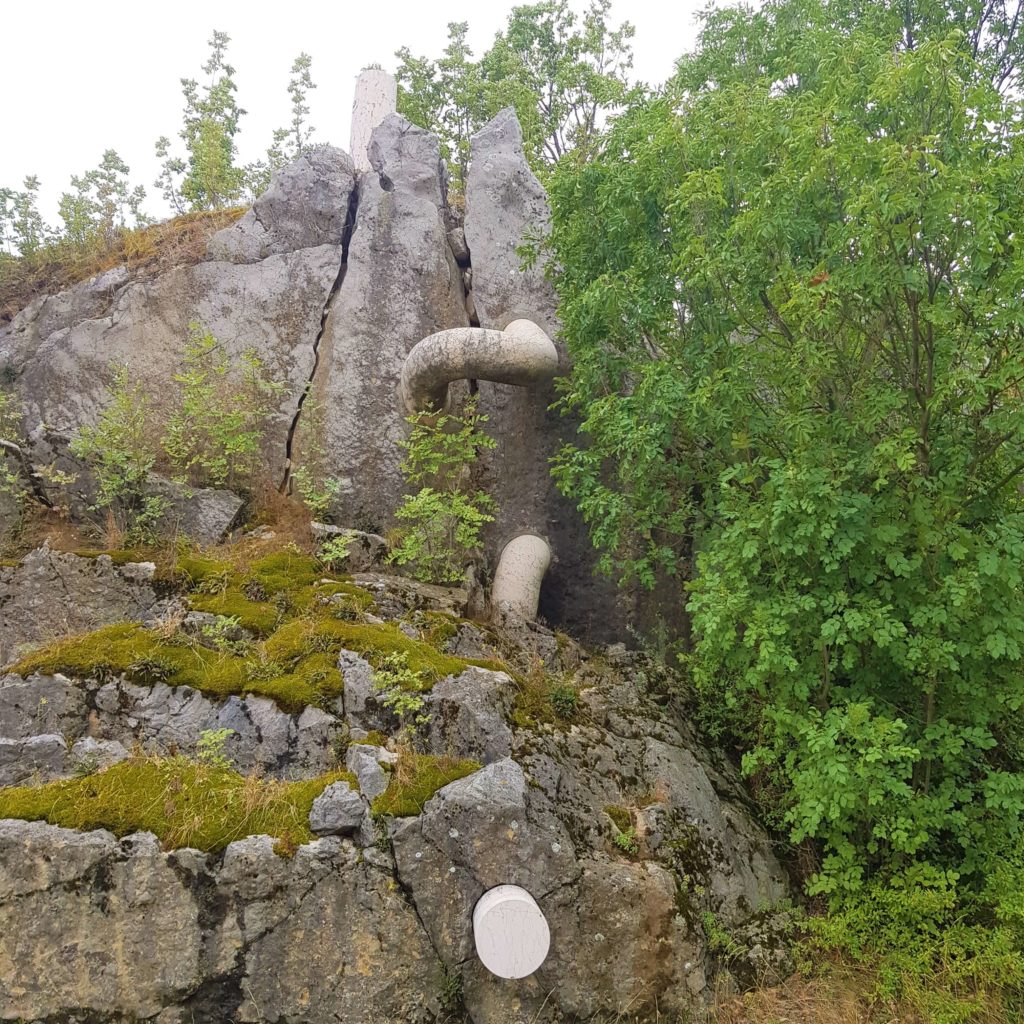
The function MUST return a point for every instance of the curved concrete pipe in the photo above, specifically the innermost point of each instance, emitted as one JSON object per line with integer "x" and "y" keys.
{"x": 521, "y": 567}
{"x": 521, "y": 354}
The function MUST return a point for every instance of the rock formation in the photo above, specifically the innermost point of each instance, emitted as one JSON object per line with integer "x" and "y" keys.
{"x": 610, "y": 812}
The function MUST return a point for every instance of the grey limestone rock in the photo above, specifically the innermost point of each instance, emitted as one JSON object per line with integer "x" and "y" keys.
{"x": 337, "y": 811}
{"x": 202, "y": 514}
{"x": 33, "y": 759}
{"x": 306, "y": 206}
{"x": 366, "y": 761}
{"x": 401, "y": 284}
{"x": 97, "y": 928}
{"x": 506, "y": 206}
{"x": 469, "y": 715}
{"x": 52, "y": 593}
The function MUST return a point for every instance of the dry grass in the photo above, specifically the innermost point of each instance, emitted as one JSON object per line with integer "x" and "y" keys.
{"x": 142, "y": 251}
{"x": 845, "y": 996}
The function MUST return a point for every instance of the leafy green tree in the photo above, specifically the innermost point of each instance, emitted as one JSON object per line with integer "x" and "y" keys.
{"x": 447, "y": 96}
{"x": 102, "y": 202}
{"x": 294, "y": 140}
{"x": 560, "y": 72}
{"x": 444, "y": 518}
{"x": 121, "y": 456}
{"x": 211, "y": 121}
{"x": 22, "y": 228}
{"x": 791, "y": 288}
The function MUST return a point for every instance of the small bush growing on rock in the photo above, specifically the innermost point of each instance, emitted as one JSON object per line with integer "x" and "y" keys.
{"x": 119, "y": 451}
{"x": 214, "y": 434}
{"x": 444, "y": 518}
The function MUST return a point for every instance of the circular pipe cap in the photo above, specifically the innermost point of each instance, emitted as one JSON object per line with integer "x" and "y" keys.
{"x": 510, "y": 931}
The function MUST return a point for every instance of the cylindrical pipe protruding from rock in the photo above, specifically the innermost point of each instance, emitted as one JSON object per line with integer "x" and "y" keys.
{"x": 521, "y": 354}
{"x": 376, "y": 96}
{"x": 521, "y": 567}
{"x": 510, "y": 932}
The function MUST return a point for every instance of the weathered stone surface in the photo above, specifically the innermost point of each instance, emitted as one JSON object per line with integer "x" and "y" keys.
{"x": 111, "y": 930}
{"x": 164, "y": 719}
{"x": 93, "y": 754}
{"x": 365, "y": 762}
{"x": 11, "y": 489}
{"x": 376, "y": 96}
{"x": 505, "y": 207}
{"x": 365, "y": 550}
{"x": 469, "y": 715}
{"x": 363, "y": 708}
{"x": 53, "y": 593}
{"x": 202, "y": 514}
{"x": 60, "y": 354}
{"x": 35, "y": 759}
{"x": 401, "y": 284}
{"x": 337, "y": 811}
{"x": 306, "y": 206}
{"x": 396, "y": 595}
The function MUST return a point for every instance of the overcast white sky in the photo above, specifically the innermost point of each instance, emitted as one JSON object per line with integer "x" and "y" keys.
{"x": 78, "y": 78}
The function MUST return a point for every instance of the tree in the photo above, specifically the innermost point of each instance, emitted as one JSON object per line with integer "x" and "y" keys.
{"x": 791, "y": 289}
{"x": 447, "y": 96}
{"x": 102, "y": 202}
{"x": 560, "y": 73}
{"x": 211, "y": 179}
{"x": 294, "y": 140}
{"x": 22, "y": 228}
{"x": 444, "y": 518}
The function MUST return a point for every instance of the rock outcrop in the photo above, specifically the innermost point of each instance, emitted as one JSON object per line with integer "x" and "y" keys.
{"x": 579, "y": 779}
{"x": 54, "y": 593}
{"x": 401, "y": 283}
{"x": 143, "y": 934}
{"x": 264, "y": 289}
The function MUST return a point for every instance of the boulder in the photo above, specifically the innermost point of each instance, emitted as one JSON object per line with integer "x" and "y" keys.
{"x": 401, "y": 284}
{"x": 202, "y": 514}
{"x": 365, "y": 550}
{"x": 306, "y": 206}
{"x": 34, "y": 759}
{"x": 469, "y": 715}
{"x": 54, "y": 593}
{"x": 91, "y": 754}
{"x": 337, "y": 811}
{"x": 366, "y": 762}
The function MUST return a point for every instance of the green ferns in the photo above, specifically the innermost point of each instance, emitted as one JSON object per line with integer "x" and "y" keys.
{"x": 204, "y": 806}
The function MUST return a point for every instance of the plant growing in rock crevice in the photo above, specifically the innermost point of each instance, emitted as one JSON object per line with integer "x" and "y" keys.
{"x": 444, "y": 518}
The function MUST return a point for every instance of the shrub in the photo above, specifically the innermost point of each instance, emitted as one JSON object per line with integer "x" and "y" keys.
{"x": 214, "y": 433}
{"x": 446, "y": 515}
{"x": 119, "y": 452}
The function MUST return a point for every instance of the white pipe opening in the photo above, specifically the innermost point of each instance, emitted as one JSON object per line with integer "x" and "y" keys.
{"x": 521, "y": 567}
{"x": 510, "y": 931}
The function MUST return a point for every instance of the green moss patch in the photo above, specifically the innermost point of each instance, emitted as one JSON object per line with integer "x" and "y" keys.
{"x": 148, "y": 657}
{"x": 181, "y": 802}
{"x": 416, "y": 778}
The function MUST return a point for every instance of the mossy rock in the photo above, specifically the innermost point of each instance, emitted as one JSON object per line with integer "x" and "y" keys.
{"x": 148, "y": 657}
{"x": 183, "y": 803}
{"x": 416, "y": 778}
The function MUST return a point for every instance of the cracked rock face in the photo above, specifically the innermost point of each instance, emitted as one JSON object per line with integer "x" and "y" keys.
{"x": 305, "y": 207}
{"x": 249, "y": 936}
{"x": 618, "y": 820}
{"x": 264, "y": 287}
{"x": 401, "y": 284}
